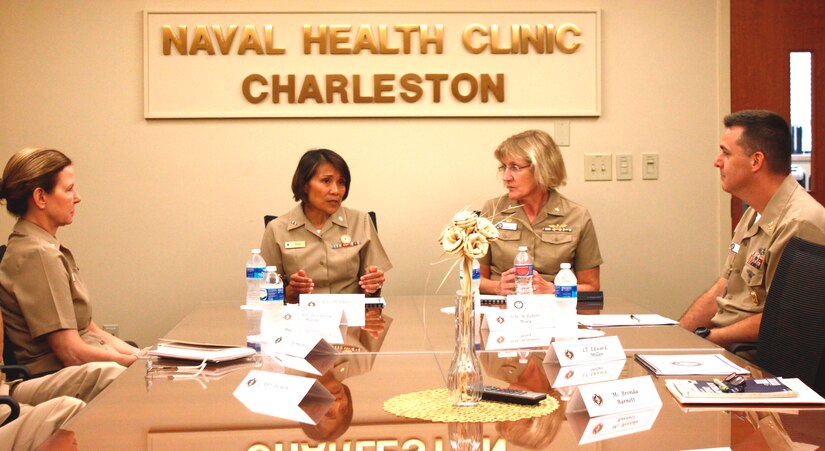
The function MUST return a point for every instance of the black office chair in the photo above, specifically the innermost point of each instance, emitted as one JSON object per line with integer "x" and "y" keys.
{"x": 792, "y": 334}
{"x": 13, "y": 406}
{"x": 268, "y": 218}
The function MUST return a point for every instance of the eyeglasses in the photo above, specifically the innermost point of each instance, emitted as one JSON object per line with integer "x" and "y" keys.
{"x": 513, "y": 168}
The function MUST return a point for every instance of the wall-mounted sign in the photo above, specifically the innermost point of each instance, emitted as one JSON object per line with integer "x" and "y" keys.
{"x": 337, "y": 64}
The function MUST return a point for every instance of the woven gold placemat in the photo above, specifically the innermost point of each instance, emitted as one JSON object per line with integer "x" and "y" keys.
{"x": 435, "y": 405}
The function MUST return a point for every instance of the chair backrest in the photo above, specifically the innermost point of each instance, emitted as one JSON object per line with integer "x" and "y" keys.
{"x": 268, "y": 218}
{"x": 792, "y": 333}
{"x": 8, "y": 351}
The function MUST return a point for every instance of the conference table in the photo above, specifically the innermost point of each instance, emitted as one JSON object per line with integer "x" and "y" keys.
{"x": 411, "y": 351}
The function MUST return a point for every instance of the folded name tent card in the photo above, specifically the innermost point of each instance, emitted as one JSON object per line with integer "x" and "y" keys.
{"x": 573, "y": 375}
{"x": 302, "y": 352}
{"x": 213, "y": 354}
{"x": 516, "y": 338}
{"x": 625, "y": 320}
{"x": 590, "y": 430}
{"x": 577, "y": 352}
{"x": 280, "y": 395}
{"x": 607, "y": 398}
{"x": 353, "y": 305}
{"x": 324, "y": 322}
{"x": 521, "y": 312}
{"x": 689, "y": 364}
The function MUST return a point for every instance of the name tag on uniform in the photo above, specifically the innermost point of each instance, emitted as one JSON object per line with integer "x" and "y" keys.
{"x": 734, "y": 247}
{"x": 507, "y": 225}
{"x": 295, "y": 244}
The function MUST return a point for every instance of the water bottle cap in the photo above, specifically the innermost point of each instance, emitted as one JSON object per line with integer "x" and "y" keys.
{"x": 256, "y": 251}
{"x": 522, "y": 248}
{"x": 272, "y": 268}
{"x": 565, "y": 266}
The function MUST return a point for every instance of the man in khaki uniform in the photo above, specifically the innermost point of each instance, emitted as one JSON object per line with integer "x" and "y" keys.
{"x": 754, "y": 165}
{"x": 334, "y": 257}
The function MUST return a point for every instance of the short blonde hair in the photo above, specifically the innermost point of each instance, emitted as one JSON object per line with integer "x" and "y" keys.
{"x": 540, "y": 150}
{"x": 27, "y": 170}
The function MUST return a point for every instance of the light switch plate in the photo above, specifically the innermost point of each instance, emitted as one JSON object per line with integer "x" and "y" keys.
{"x": 598, "y": 166}
{"x": 650, "y": 166}
{"x": 624, "y": 166}
{"x": 561, "y": 134}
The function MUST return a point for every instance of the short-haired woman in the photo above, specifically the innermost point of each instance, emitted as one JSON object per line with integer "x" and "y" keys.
{"x": 319, "y": 245}
{"x": 534, "y": 214}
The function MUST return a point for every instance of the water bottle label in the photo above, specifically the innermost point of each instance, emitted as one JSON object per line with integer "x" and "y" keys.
{"x": 273, "y": 294}
{"x": 254, "y": 272}
{"x": 566, "y": 291}
{"x": 523, "y": 270}
{"x": 477, "y": 273}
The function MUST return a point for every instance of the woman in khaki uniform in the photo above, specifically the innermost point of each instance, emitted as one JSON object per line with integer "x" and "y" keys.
{"x": 320, "y": 246}
{"x": 534, "y": 214}
{"x": 45, "y": 304}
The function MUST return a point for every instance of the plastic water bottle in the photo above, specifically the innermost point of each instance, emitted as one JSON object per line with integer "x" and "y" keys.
{"x": 523, "y": 266}
{"x": 255, "y": 267}
{"x": 475, "y": 280}
{"x": 272, "y": 304}
{"x": 566, "y": 283}
{"x": 566, "y": 298}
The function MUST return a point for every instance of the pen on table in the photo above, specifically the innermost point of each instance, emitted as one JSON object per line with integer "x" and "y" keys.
{"x": 721, "y": 385}
{"x": 635, "y": 318}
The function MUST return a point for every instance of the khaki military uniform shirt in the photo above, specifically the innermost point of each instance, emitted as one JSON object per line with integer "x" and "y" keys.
{"x": 41, "y": 292}
{"x": 561, "y": 233}
{"x": 335, "y": 258}
{"x": 757, "y": 246}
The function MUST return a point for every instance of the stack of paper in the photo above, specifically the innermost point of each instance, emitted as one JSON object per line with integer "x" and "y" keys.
{"x": 690, "y": 365}
{"x": 213, "y": 354}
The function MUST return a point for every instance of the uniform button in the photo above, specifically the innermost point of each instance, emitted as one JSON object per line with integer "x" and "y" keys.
{"x": 322, "y": 263}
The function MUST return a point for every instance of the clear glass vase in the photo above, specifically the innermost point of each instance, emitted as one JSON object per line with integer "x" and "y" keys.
{"x": 465, "y": 436}
{"x": 464, "y": 379}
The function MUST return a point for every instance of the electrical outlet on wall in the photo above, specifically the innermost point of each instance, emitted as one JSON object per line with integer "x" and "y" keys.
{"x": 113, "y": 329}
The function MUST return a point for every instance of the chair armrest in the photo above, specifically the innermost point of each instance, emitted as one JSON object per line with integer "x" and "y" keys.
{"x": 742, "y": 347}
{"x": 15, "y": 372}
{"x": 13, "y": 406}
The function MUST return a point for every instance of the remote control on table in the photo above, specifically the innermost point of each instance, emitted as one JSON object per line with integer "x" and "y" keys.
{"x": 512, "y": 396}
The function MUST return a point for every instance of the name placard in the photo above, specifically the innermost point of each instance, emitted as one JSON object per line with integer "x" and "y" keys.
{"x": 516, "y": 338}
{"x": 322, "y": 322}
{"x": 521, "y": 312}
{"x": 568, "y": 376}
{"x": 354, "y": 305}
{"x": 625, "y": 395}
{"x": 372, "y": 64}
{"x": 301, "y": 352}
{"x": 580, "y": 352}
{"x": 591, "y": 430}
{"x": 284, "y": 396}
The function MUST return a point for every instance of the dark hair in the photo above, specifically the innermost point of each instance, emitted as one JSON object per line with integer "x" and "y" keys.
{"x": 27, "y": 170}
{"x": 766, "y": 132}
{"x": 309, "y": 164}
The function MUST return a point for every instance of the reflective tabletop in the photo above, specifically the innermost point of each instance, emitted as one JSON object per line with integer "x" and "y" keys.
{"x": 410, "y": 351}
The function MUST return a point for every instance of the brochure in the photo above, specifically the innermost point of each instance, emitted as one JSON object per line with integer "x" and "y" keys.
{"x": 689, "y": 364}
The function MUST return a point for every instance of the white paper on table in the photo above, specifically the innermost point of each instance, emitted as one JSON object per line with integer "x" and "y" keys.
{"x": 307, "y": 353}
{"x": 624, "y": 320}
{"x": 689, "y": 364}
{"x": 806, "y": 395}
{"x": 322, "y": 322}
{"x": 284, "y": 396}
{"x": 215, "y": 354}
{"x": 354, "y": 305}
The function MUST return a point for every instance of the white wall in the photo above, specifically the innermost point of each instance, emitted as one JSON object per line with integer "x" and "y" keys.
{"x": 171, "y": 207}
